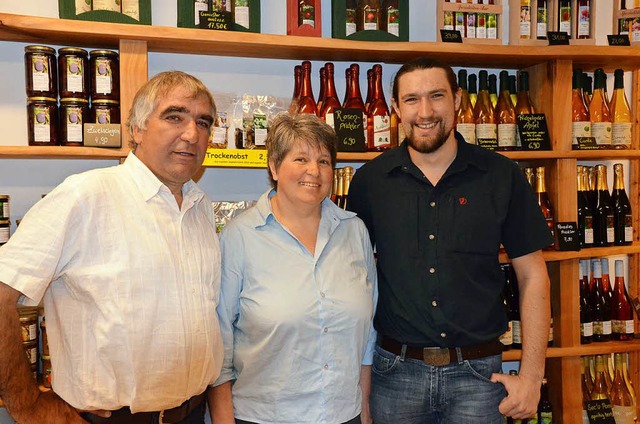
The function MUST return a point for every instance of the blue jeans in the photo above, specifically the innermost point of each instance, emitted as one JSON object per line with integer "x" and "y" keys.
{"x": 408, "y": 391}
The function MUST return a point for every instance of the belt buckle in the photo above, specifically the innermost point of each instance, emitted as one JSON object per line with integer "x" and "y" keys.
{"x": 436, "y": 356}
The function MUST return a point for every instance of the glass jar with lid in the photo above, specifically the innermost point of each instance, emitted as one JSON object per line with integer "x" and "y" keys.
{"x": 105, "y": 75}
{"x": 41, "y": 75}
{"x": 105, "y": 112}
{"x": 73, "y": 72}
{"x": 42, "y": 118}
{"x": 73, "y": 113}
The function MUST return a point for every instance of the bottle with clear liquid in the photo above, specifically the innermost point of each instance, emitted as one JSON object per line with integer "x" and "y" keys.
{"x": 581, "y": 122}
{"x": 599, "y": 111}
{"x": 621, "y": 120}
{"x": 506, "y": 116}
{"x": 621, "y": 309}
{"x": 603, "y": 217}
{"x": 466, "y": 119}
{"x": 379, "y": 118}
{"x": 600, "y": 306}
{"x": 486, "y": 127}
{"x": 600, "y": 389}
{"x": 621, "y": 399}
{"x": 622, "y": 218}
{"x": 331, "y": 101}
{"x": 586, "y": 319}
{"x": 585, "y": 214}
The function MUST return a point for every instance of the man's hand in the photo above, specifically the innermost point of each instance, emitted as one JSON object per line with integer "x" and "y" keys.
{"x": 522, "y": 395}
{"x": 49, "y": 408}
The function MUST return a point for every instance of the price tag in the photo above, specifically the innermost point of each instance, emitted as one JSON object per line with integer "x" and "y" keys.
{"x": 618, "y": 40}
{"x": 599, "y": 412}
{"x": 587, "y": 143}
{"x": 102, "y": 135}
{"x": 349, "y": 126}
{"x": 216, "y": 20}
{"x": 236, "y": 158}
{"x": 557, "y": 38}
{"x": 534, "y": 134}
{"x": 567, "y": 237}
{"x": 487, "y": 143}
{"x": 450, "y": 36}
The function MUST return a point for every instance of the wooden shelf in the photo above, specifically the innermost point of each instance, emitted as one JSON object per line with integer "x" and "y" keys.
{"x": 60, "y": 152}
{"x": 582, "y": 350}
{"x": 592, "y": 252}
{"x": 241, "y": 44}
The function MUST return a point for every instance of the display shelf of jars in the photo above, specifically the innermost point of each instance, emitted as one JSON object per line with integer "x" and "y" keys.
{"x": 579, "y": 350}
{"x": 239, "y": 44}
{"x": 61, "y": 152}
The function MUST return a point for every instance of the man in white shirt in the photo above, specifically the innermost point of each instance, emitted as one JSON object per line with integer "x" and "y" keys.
{"x": 128, "y": 263}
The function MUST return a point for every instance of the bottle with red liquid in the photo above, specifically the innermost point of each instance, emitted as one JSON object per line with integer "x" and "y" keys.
{"x": 601, "y": 307}
{"x": 354, "y": 97}
{"x": 621, "y": 309}
{"x": 543, "y": 199}
{"x": 331, "y": 101}
{"x": 378, "y": 117}
{"x": 306, "y": 103}
{"x": 297, "y": 80}
{"x": 323, "y": 89}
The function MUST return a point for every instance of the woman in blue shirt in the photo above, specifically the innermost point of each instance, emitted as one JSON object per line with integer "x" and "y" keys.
{"x": 299, "y": 289}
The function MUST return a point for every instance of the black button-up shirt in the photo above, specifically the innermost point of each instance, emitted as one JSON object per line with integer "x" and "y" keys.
{"x": 439, "y": 278}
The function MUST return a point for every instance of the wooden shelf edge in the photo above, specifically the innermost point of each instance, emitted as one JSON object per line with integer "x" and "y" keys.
{"x": 60, "y": 152}
{"x": 592, "y": 252}
{"x": 582, "y": 350}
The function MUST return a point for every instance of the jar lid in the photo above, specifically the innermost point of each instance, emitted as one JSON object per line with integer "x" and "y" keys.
{"x": 73, "y": 100}
{"x": 72, "y": 50}
{"x": 105, "y": 102}
{"x": 41, "y": 49}
{"x": 4, "y": 196}
{"x": 103, "y": 53}
{"x": 41, "y": 99}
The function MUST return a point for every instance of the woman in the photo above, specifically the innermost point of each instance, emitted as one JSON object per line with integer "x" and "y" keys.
{"x": 299, "y": 289}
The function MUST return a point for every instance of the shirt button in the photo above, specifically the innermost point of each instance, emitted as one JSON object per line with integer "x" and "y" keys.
{"x": 322, "y": 294}
{"x": 432, "y": 270}
{"x": 432, "y": 204}
{"x": 326, "y": 366}
{"x": 431, "y": 237}
{"x": 434, "y": 303}
{"x": 443, "y": 335}
{"x": 325, "y": 329}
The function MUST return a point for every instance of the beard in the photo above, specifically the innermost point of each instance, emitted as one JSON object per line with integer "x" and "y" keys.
{"x": 430, "y": 145}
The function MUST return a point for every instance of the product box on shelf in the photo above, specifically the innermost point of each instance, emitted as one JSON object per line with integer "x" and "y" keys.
{"x": 529, "y": 21}
{"x": 241, "y": 15}
{"x": 304, "y": 17}
{"x": 477, "y": 23}
{"x": 627, "y": 20}
{"x": 391, "y": 20}
{"x": 118, "y": 11}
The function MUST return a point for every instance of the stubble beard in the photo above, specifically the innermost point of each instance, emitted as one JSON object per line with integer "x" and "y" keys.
{"x": 429, "y": 145}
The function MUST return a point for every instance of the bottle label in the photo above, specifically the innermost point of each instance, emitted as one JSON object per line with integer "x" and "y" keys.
{"x": 40, "y": 72}
{"x": 517, "y": 332}
{"x": 507, "y": 135}
{"x": 525, "y": 22}
{"x": 112, "y": 5}
{"x": 350, "y": 24}
{"x": 584, "y": 21}
{"x": 200, "y": 6}
{"x": 542, "y": 29}
{"x": 492, "y": 26}
{"x": 308, "y": 15}
{"x": 601, "y": 328}
{"x": 628, "y": 228}
{"x": 242, "y": 14}
{"x": 468, "y": 131}
{"x": 73, "y": 121}
{"x": 628, "y": 326}
{"x": 74, "y": 74}
{"x": 41, "y": 125}
{"x": 588, "y": 230}
{"x": 381, "y": 131}
{"x": 131, "y": 8}
{"x": 4, "y": 235}
{"x": 448, "y": 20}
{"x": 623, "y": 414}
{"x": 610, "y": 229}
{"x": 328, "y": 118}
{"x": 621, "y": 133}
{"x": 487, "y": 131}
{"x": 550, "y": 339}
{"x": 586, "y": 329}
{"x": 103, "y": 76}
{"x": 370, "y": 19}
{"x": 481, "y": 27}
{"x": 471, "y": 25}
{"x": 393, "y": 23}
{"x": 546, "y": 418}
{"x": 585, "y": 417}
{"x": 565, "y": 20}
{"x": 620, "y": 326}
{"x": 602, "y": 132}
{"x": 580, "y": 129}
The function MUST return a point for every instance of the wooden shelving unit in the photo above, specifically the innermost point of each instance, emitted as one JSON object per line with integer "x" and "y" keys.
{"x": 550, "y": 69}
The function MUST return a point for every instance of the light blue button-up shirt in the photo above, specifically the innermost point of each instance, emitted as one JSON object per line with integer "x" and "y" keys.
{"x": 296, "y": 327}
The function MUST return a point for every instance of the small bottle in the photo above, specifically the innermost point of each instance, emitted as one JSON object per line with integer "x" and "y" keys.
{"x": 600, "y": 307}
{"x": 599, "y": 111}
{"x": 525, "y": 19}
{"x": 586, "y": 319}
{"x": 621, "y": 399}
{"x": 621, "y": 121}
{"x": 583, "y": 21}
{"x": 297, "y": 81}
{"x": 603, "y": 217}
{"x": 581, "y": 123}
{"x": 466, "y": 119}
{"x": 621, "y": 309}
{"x": 486, "y": 128}
{"x": 542, "y": 15}
{"x": 564, "y": 17}
{"x": 306, "y": 103}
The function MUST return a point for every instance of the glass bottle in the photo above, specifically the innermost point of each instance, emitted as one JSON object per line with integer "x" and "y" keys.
{"x": 379, "y": 118}
{"x": 622, "y": 219}
{"x": 525, "y": 19}
{"x": 621, "y": 309}
{"x": 627, "y": 380}
{"x": 545, "y": 413}
{"x": 391, "y": 21}
{"x": 481, "y": 23}
{"x": 307, "y": 12}
{"x": 334, "y": 187}
{"x": 606, "y": 278}
{"x": 586, "y": 395}
{"x": 306, "y": 103}
{"x": 585, "y": 214}
{"x": 600, "y": 389}
{"x": 492, "y": 24}
{"x": 470, "y": 23}
{"x": 331, "y": 101}
{"x": 564, "y": 17}
{"x": 513, "y": 91}
{"x": 621, "y": 120}
{"x": 543, "y": 198}
{"x": 340, "y": 192}
{"x": 586, "y": 319}
{"x": 351, "y": 7}
{"x": 486, "y": 127}
{"x": 354, "y": 100}
{"x": 603, "y": 217}
{"x": 592, "y": 188}
{"x": 589, "y": 373}
{"x": 581, "y": 123}
{"x": 347, "y": 79}
{"x": 493, "y": 90}
{"x": 466, "y": 119}
{"x": 297, "y": 82}
{"x": 583, "y": 20}
{"x": 368, "y": 15}
{"x": 323, "y": 89}
{"x": 587, "y": 88}
{"x": 600, "y": 306}
{"x": 542, "y": 15}
{"x": 524, "y": 104}
{"x": 506, "y": 116}
{"x": 621, "y": 399}
{"x": 599, "y": 111}
{"x": 348, "y": 174}
{"x": 370, "y": 89}
{"x": 473, "y": 89}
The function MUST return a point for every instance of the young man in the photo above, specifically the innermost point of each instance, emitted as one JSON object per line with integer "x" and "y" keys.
{"x": 437, "y": 210}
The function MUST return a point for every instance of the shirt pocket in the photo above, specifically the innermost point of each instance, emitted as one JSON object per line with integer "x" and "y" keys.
{"x": 476, "y": 222}
{"x": 396, "y": 225}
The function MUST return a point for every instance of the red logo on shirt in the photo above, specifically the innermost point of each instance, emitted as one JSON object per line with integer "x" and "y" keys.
{"x": 462, "y": 200}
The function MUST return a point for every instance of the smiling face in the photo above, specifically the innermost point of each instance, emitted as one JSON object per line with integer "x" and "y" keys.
{"x": 174, "y": 141}
{"x": 427, "y": 107}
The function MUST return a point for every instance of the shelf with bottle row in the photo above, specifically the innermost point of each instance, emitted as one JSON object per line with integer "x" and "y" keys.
{"x": 579, "y": 350}
{"x": 591, "y": 252}
{"x": 61, "y": 152}
{"x": 268, "y": 46}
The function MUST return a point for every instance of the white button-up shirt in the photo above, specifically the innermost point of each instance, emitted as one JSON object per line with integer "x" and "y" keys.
{"x": 130, "y": 284}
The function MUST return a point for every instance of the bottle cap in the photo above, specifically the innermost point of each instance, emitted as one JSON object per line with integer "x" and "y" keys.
{"x": 619, "y": 268}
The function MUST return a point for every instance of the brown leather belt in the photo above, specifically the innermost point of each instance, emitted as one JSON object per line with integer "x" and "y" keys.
{"x": 439, "y": 356}
{"x": 174, "y": 415}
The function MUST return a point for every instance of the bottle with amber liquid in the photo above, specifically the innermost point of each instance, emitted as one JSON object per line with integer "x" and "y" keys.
{"x": 368, "y": 15}
{"x": 627, "y": 379}
{"x": 323, "y": 89}
{"x": 599, "y": 111}
{"x": 486, "y": 128}
{"x": 354, "y": 99}
{"x": 621, "y": 309}
{"x": 621, "y": 121}
{"x": 306, "y": 103}
{"x": 603, "y": 217}
{"x": 378, "y": 117}
{"x": 307, "y": 12}
{"x": 581, "y": 123}
{"x": 585, "y": 214}
{"x": 513, "y": 90}
{"x": 586, "y": 319}
{"x": 621, "y": 400}
{"x": 600, "y": 390}
{"x": 506, "y": 116}
{"x": 493, "y": 90}
{"x": 524, "y": 106}
{"x": 466, "y": 119}
{"x": 587, "y": 88}
{"x": 600, "y": 307}
{"x": 297, "y": 83}
{"x": 622, "y": 219}
{"x": 473, "y": 89}
{"x": 606, "y": 278}
{"x": 543, "y": 199}
{"x": 331, "y": 101}
{"x": 586, "y": 392}
{"x": 391, "y": 21}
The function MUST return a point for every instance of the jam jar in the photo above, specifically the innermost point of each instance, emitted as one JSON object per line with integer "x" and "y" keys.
{"x": 73, "y": 72}
{"x": 105, "y": 75}
{"x": 105, "y": 112}
{"x": 73, "y": 113}
{"x": 41, "y": 71}
{"x": 42, "y": 117}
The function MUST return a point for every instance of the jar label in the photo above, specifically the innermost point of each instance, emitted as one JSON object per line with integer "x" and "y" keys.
{"x": 40, "y": 72}
{"x": 73, "y": 121}
{"x": 75, "y": 82}
{"x": 103, "y": 116}
{"x": 103, "y": 76}
{"x": 381, "y": 130}
{"x": 41, "y": 125}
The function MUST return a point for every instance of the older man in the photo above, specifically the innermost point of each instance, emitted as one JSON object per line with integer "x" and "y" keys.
{"x": 128, "y": 263}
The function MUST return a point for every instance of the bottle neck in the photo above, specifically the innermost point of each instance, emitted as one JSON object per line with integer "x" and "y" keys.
{"x": 540, "y": 183}
{"x": 306, "y": 90}
{"x": 330, "y": 86}
{"x": 602, "y": 179}
{"x": 618, "y": 181}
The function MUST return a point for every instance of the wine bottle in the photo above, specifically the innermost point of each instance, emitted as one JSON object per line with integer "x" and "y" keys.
{"x": 627, "y": 380}
{"x": 347, "y": 91}
{"x": 370, "y": 88}
{"x": 606, "y": 279}
{"x": 486, "y": 128}
{"x": 524, "y": 104}
{"x": 378, "y": 117}
{"x": 586, "y": 319}
{"x": 530, "y": 175}
{"x": 354, "y": 100}
{"x": 525, "y": 19}
{"x": 599, "y": 111}
{"x": 603, "y": 217}
{"x": 588, "y": 366}
{"x": 297, "y": 83}
{"x": 331, "y": 101}
{"x": 600, "y": 306}
{"x": 543, "y": 199}
{"x": 473, "y": 89}
{"x": 545, "y": 413}
{"x": 585, "y": 214}
{"x": 240, "y": 9}
{"x": 586, "y": 393}
{"x": 592, "y": 188}
{"x": 481, "y": 23}
{"x": 307, "y": 12}
{"x": 306, "y": 103}
{"x": 351, "y": 7}
{"x": 506, "y": 116}
{"x": 368, "y": 14}
{"x": 493, "y": 90}
{"x": 334, "y": 187}
{"x": 621, "y": 309}
{"x": 581, "y": 123}
{"x": 391, "y": 21}
{"x": 513, "y": 91}
{"x": 323, "y": 89}
{"x": 583, "y": 21}
{"x": 564, "y": 17}
{"x": 466, "y": 119}
{"x": 340, "y": 193}
{"x": 542, "y": 16}
{"x": 587, "y": 88}
{"x": 621, "y": 400}
{"x": 622, "y": 219}
{"x": 621, "y": 121}
{"x": 600, "y": 389}
{"x": 348, "y": 174}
